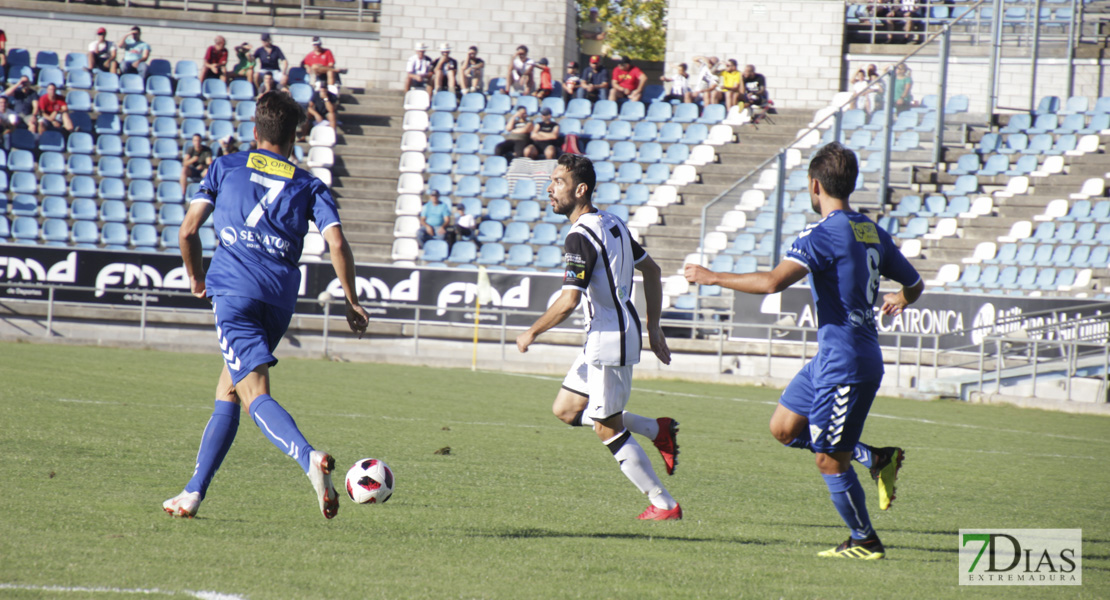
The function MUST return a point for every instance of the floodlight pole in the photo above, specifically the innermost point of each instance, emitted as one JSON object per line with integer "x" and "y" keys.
{"x": 942, "y": 94}
{"x": 779, "y": 192}
{"x": 888, "y": 137}
{"x": 1071, "y": 45}
{"x": 996, "y": 49}
{"x": 1035, "y": 56}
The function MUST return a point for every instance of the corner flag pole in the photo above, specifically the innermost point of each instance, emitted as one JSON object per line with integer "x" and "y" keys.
{"x": 483, "y": 296}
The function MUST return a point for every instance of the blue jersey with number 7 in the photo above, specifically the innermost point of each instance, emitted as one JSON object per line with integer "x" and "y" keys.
{"x": 261, "y": 208}
{"x": 846, "y": 253}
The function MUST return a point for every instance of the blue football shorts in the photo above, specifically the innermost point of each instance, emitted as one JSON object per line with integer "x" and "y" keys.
{"x": 836, "y": 413}
{"x": 249, "y": 330}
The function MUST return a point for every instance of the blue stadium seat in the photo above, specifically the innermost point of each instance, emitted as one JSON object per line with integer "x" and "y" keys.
{"x": 607, "y": 193}
{"x": 165, "y": 148}
{"x": 444, "y": 101}
{"x": 55, "y": 232}
{"x": 630, "y": 172}
{"x": 23, "y": 182}
{"x": 670, "y": 133}
{"x": 208, "y": 240}
{"x": 934, "y": 205}
{"x": 298, "y": 75}
{"x": 1065, "y": 143}
{"x": 967, "y": 164}
{"x": 632, "y": 111}
{"x": 439, "y": 163}
{"x": 988, "y": 144}
{"x": 605, "y": 171}
{"x": 657, "y": 174}
{"x": 555, "y": 103}
{"x": 516, "y": 233}
{"x": 55, "y": 207}
{"x": 490, "y": 231}
{"x": 160, "y": 67}
{"x": 520, "y": 255}
{"x": 957, "y": 104}
{"x": 915, "y": 228}
{"x": 1044, "y": 124}
{"x": 1048, "y": 105}
{"x": 1039, "y": 144}
{"x": 605, "y": 110}
{"x": 140, "y": 168}
{"x": 106, "y": 103}
{"x": 467, "y": 123}
{"x": 171, "y": 214}
{"x": 676, "y": 154}
{"x": 441, "y": 121}
{"x": 220, "y": 109}
{"x": 619, "y": 210}
{"x": 168, "y": 170}
{"x": 440, "y": 142}
{"x": 53, "y": 184}
{"x": 619, "y": 131}
{"x": 524, "y": 189}
{"x": 498, "y": 104}
{"x": 113, "y": 211}
{"x": 1025, "y": 165}
{"x": 434, "y": 251}
{"x": 169, "y": 192}
{"x": 472, "y": 102}
{"x": 1017, "y": 124}
{"x": 492, "y": 124}
{"x": 135, "y": 104}
{"x": 594, "y": 129}
{"x": 185, "y": 68}
{"x": 81, "y": 121}
{"x": 489, "y": 144}
{"x": 906, "y": 121}
{"x": 106, "y": 82}
{"x": 695, "y": 134}
{"x": 79, "y": 164}
{"x": 543, "y": 234}
{"x": 494, "y": 166}
{"x": 136, "y": 125}
{"x": 623, "y": 152}
{"x": 25, "y": 204}
{"x": 496, "y": 188}
{"x": 907, "y": 140}
{"x": 468, "y": 164}
{"x": 965, "y": 185}
{"x": 144, "y": 237}
{"x": 499, "y": 210}
{"x": 467, "y": 144}
{"x": 659, "y": 112}
{"x": 188, "y": 87}
{"x": 527, "y": 211}
{"x": 240, "y": 90}
{"x": 440, "y": 183}
{"x": 645, "y": 131}
{"x": 220, "y": 129}
{"x": 463, "y": 252}
{"x": 860, "y": 139}
{"x": 75, "y": 61}
{"x": 549, "y": 257}
{"x": 191, "y": 127}
{"x": 1072, "y": 123}
{"x": 108, "y": 123}
{"x": 114, "y": 236}
{"x": 530, "y": 103}
{"x": 713, "y": 114}
{"x": 637, "y": 194}
{"x": 111, "y": 189}
{"x": 907, "y": 206}
{"x": 21, "y": 160}
{"x": 137, "y": 147}
{"x": 1102, "y": 106}
{"x": 578, "y": 108}
{"x": 131, "y": 83}
{"x": 244, "y": 110}
{"x": 142, "y": 212}
{"x": 85, "y": 234}
{"x": 494, "y": 253}
{"x": 1015, "y": 143}
{"x": 192, "y": 108}
{"x": 79, "y": 100}
{"x": 928, "y": 123}
{"x": 597, "y": 150}
{"x": 25, "y": 230}
{"x": 110, "y": 166}
{"x": 650, "y": 153}
{"x": 853, "y": 119}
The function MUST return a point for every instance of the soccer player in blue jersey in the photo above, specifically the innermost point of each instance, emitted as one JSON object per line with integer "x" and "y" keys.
{"x": 261, "y": 205}
{"x": 824, "y": 407}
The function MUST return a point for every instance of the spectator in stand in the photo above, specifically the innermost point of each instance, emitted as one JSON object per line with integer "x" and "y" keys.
{"x": 466, "y": 225}
{"x": 879, "y": 17}
{"x": 680, "y": 85}
{"x": 903, "y": 88}
{"x": 878, "y": 88}
{"x": 50, "y": 112}
{"x": 3, "y": 49}
{"x": 9, "y": 119}
{"x": 628, "y": 82}
{"x": 136, "y": 53}
{"x": 858, "y": 87}
{"x": 445, "y": 71}
{"x": 244, "y": 68}
{"x": 518, "y": 135}
{"x": 706, "y": 84}
{"x": 435, "y": 218}
{"x": 595, "y": 80}
{"x": 755, "y": 87}
{"x": 269, "y": 84}
{"x": 910, "y": 12}
{"x": 225, "y": 146}
{"x": 22, "y": 96}
{"x": 470, "y": 77}
{"x": 271, "y": 58}
{"x": 197, "y": 159}
{"x": 320, "y": 63}
{"x": 520, "y": 73}
{"x": 572, "y": 83}
{"x": 102, "y": 53}
{"x": 320, "y": 106}
{"x": 215, "y": 60}
{"x": 731, "y": 84}
{"x": 545, "y": 88}
{"x": 591, "y": 35}
{"x": 545, "y": 138}
{"x": 418, "y": 71}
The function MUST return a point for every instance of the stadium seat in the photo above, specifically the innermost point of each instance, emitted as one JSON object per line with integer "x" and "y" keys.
{"x": 607, "y": 193}
{"x": 527, "y": 211}
{"x": 1047, "y": 105}
{"x": 472, "y": 102}
{"x": 630, "y": 172}
{"x": 597, "y": 150}
{"x": 55, "y": 207}
{"x": 516, "y": 233}
{"x": 110, "y": 166}
{"x": 414, "y": 162}
{"x": 463, "y": 252}
{"x": 220, "y": 109}
{"x": 619, "y": 131}
{"x": 468, "y": 143}
{"x": 302, "y": 93}
{"x": 108, "y": 123}
{"x": 79, "y": 100}
{"x": 650, "y": 153}
{"x": 137, "y": 147}
{"x": 604, "y": 110}
{"x": 676, "y": 154}
{"x": 466, "y": 123}
{"x": 170, "y": 214}
{"x": 530, "y": 104}
{"x": 240, "y": 90}
{"x": 713, "y": 114}
{"x": 25, "y": 204}
{"x": 169, "y": 192}
{"x": 695, "y": 134}
{"x": 556, "y": 104}
{"x": 221, "y": 129}
{"x": 139, "y": 168}
{"x": 578, "y": 108}
{"x": 444, "y": 101}
{"x": 520, "y": 255}
{"x": 244, "y": 110}
{"x": 106, "y": 82}
{"x": 499, "y": 104}
{"x": 548, "y": 257}
{"x": 165, "y": 148}
{"x": 25, "y": 230}
{"x": 136, "y": 126}
{"x": 21, "y": 160}
{"x": 468, "y": 164}
{"x": 111, "y": 189}
{"x": 491, "y": 254}
{"x": 441, "y": 121}
{"x": 632, "y": 111}
{"x": 114, "y": 236}
{"x": 434, "y": 251}
{"x": 79, "y": 164}
{"x": 623, "y": 152}
{"x": 657, "y": 174}
{"x": 168, "y": 170}
{"x": 957, "y": 104}
{"x": 670, "y": 133}
{"x": 81, "y": 121}
{"x": 142, "y": 212}
{"x": 1064, "y": 145}
{"x": 594, "y": 129}
{"x": 1018, "y": 123}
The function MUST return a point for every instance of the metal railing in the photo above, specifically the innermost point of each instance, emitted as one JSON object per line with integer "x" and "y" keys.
{"x": 322, "y": 9}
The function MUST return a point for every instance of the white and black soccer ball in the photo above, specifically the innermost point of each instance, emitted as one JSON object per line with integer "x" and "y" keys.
{"x": 370, "y": 481}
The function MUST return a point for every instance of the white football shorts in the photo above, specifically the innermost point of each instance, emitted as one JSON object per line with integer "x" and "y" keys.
{"x": 608, "y": 388}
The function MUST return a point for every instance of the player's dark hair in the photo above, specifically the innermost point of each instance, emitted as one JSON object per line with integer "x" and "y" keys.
{"x": 836, "y": 169}
{"x": 277, "y": 118}
{"x": 581, "y": 170}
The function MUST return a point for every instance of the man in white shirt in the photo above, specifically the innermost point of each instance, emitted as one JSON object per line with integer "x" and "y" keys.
{"x": 418, "y": 71}
{"x": 520, "y": 72}
{"x": 102, "y": 53}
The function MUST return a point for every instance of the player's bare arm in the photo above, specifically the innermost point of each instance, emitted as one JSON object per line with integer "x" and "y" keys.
{"x": 343, "y": 261}
{"x": 653, "y": 300}
{"x": 555, "y": 314}
{"x": 192, "y": 253}
{"x": 894, "y": 302}
{"x": 764, "y": 282}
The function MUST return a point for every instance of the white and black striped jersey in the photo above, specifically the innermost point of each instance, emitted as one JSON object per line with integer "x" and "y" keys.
{"x": 600, "y": 257}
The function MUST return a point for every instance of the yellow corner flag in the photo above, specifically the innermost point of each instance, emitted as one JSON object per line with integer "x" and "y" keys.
{"x": 484, "y": 296}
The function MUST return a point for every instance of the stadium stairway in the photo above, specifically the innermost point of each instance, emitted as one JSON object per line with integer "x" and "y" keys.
{"x": 364, "y": 177}
{"x": 677, "y": 236}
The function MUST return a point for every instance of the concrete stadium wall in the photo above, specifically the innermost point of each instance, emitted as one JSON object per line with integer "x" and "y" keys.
{"x": 497, "y": 27}
{"x": 968, "y": 76}
{"x": 796, "y": 44}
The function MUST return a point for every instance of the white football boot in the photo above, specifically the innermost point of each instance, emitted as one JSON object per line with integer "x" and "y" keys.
{"x": 320, "y": 466}
{"x": 183, "y": 505}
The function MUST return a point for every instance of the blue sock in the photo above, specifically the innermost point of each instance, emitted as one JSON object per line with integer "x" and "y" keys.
{"x": 214, "y": 444}
{"x": 280, "y": 429}
{"x": 847, "y": 496}
{"x": 862, "y": 453}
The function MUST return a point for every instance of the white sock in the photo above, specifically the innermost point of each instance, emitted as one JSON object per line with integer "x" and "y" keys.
{"x": 637, "y": 468}
{"x": 644, "y": 426}
{"x": 583, "y": 420}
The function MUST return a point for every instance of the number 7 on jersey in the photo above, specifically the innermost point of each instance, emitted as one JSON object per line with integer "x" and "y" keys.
{"x": 273, "y": 188}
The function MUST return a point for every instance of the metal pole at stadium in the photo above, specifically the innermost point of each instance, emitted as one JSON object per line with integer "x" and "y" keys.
{"x": 996, "y": 49}
{"x": 1035, "y": 55}
{"x": 1071, "y": 45}
{"x": 942, "y": 97}
{"x": 779, "y": 192}
{"x": 888, "y": 136}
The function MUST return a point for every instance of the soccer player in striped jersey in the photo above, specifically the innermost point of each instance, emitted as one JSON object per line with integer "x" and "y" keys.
{"x": 825, "y": 406}
{"x": 260, "y": 204}
{"x": 600, "y": 258}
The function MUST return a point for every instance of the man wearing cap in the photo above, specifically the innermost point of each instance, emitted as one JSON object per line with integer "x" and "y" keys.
{"x": 320, "y": 106}
{"x": 320, "y": 63}
{"x": 591, "y": 34}
{"x": 470, "y": 78}
{"x": 445, "y": 71}
{"x": 545, "y": 88}
{"x": 572, "y": 83}
{"x": 595, "y": 80}
{"x": 215, "y": 61}
{"x": 102, "y": 53}
{"x": 628, "y": 82}
{"x": 271, "y": 59}
{"x": 545, "y": 137}
{"x": 520, "y": 72}
{"x": 136, "y": 53}
{"x": 418, "y": 71}
{"x": 50, "y": 112}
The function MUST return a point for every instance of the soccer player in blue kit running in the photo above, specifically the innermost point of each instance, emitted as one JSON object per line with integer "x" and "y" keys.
{"x": 261, "y": 205}
{"x": 824, "y": 408}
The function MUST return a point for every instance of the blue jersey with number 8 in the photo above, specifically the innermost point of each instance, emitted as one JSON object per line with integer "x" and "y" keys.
{"x": 262, "y": 205}
{"x": 846, "y": 253}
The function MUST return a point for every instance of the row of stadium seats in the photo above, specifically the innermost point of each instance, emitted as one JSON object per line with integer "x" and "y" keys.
{"x": 88, "y": 234}
{"x": 109, "y": 210}
{"x": 520, "y": 256}
{"x": 106, "y": 104}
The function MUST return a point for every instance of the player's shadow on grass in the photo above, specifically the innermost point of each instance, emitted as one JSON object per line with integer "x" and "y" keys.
{"x": 879, "y": 529}
{"x": 531, "y": 532}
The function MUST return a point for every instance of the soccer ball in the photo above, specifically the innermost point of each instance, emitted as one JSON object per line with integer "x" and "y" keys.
{"x": 370, "y": 481}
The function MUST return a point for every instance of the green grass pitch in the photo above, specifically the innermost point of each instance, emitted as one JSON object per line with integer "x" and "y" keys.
{"x": 94, "y": 439}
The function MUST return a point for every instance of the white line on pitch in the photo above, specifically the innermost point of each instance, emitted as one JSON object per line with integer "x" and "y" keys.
{"x": 202, "y": 595}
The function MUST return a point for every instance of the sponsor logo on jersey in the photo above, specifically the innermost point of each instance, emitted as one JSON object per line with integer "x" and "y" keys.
{"x": 270, "y": 166}
{"x": 228, "y": 235}
{"x": 866, "y": 233}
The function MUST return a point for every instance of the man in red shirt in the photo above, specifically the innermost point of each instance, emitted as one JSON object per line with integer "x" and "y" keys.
{"x": 50, "y": 112}
{"x": 628, "y": 81}
{"x": 320, "y": 62}
{"x": 215, "y": 61}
